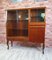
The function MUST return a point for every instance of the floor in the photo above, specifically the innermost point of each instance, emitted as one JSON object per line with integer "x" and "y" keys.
{"x": 24, "y": 53}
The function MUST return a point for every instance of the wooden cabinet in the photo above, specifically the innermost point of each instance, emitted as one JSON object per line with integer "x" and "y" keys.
{"x": 26, "y": 25}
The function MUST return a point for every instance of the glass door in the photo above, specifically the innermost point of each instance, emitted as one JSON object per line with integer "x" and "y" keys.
{"x": 17, "y": 23}
{"x": 37, "y": 16}
{"x": 22, "y": 22}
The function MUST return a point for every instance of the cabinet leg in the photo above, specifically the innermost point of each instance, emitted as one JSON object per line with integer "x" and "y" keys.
{"x": 7, "y": 44}
{"x": 11, "y": 43}
{"x": 43, "y": 48}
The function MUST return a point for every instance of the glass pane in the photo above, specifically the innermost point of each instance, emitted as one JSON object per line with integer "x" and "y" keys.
{"x": 17, "y": 23}
{"x": 37, "y": 15}
{"x": 22, "y": 15}
{"x": 22, "y": 22}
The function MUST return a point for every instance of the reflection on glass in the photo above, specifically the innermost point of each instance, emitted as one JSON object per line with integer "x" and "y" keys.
{"x": 43, "y": 15}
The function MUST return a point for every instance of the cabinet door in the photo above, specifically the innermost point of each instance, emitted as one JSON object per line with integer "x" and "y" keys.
{"x": 37, "y": 34}
{"x": 37, "y": 25}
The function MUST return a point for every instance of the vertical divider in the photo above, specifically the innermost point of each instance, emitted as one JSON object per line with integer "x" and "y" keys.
{"x": 29, "y": 21}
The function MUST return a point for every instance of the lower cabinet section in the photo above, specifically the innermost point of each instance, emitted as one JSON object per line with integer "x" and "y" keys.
{"x": 37, "y": 34}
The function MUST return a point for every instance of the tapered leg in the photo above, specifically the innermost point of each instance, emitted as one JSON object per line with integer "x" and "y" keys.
{"x": 11, "y": 43}
{"x": 7, "y": 44}
{"x": 43, "y": 48}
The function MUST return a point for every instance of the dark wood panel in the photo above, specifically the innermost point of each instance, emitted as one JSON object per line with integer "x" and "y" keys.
{"x": 37, "y": 34}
